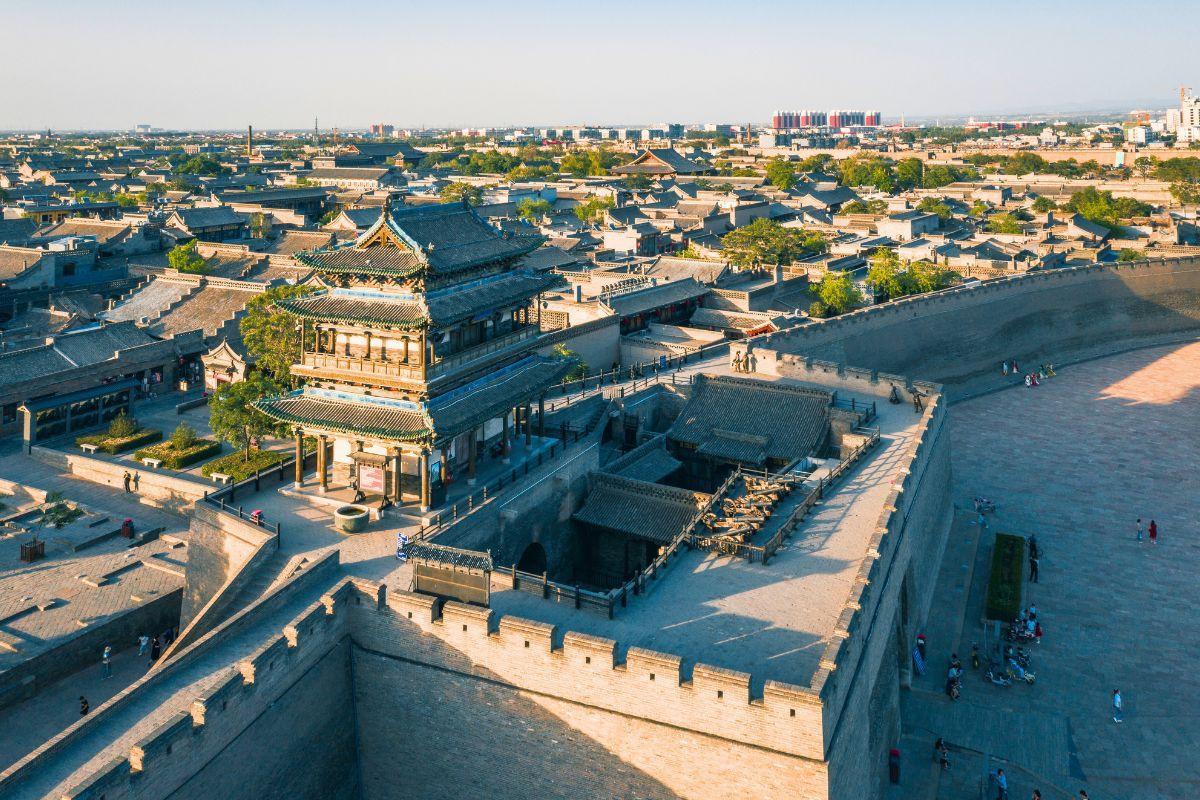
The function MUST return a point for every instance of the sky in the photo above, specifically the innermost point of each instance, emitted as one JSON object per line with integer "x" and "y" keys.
{"x": 225, "y": 64}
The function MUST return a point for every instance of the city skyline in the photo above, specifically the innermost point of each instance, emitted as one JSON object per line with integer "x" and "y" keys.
{"x": 277, "y": 66}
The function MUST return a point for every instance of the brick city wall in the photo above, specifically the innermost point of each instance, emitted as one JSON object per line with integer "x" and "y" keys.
{"x": 220, "y": 546}
{"x": 866, "y": 661}
{"x": 83, "y": 650}
{"x": 154, "y": 488}
{"x": 534, "y": 692}
{"x": 278, "y": 725}
{"x": 963, "y": 334}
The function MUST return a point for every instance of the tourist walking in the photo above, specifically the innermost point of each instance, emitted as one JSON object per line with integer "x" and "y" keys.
{"x": 1033, "y": 568}
{"x": 1001, "y": 785}
{"x": 1036, "y": 795}
{"x": 1153, "y": 532}
{"x": 155, "y": 650}
{"x": 137, "y": 478}
{"x": 143, "y": 644}
{"x": 1118, "y": 705}
{"x": 1139, "y": 530}
{"x": 84, "y": 708}
{"x": 126, "y": 479}
{"x": 1034, "y": 552}
{"x": 106, "y": 661}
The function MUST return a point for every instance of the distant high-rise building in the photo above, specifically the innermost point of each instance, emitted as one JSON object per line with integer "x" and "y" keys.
{"x": 1188, "y": 126}
{"x": 381, "y": 131}
{"x": 841, "y": 118}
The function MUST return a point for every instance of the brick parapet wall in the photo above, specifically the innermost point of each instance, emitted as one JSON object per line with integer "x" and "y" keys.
{"x": 588, "y": 670}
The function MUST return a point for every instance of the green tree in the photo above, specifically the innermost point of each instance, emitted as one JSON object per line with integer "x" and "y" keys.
{"x": 459, "y": 190}
{"x": 837, "y": 293}
{"x": 765, "y": 241}
{"x": 928, "y": 277}
{"x": 532, "y": 210}
{"x": 1104, "y": 209}
{"x": 260, "y": 225}
{"x": 935, "y": 205}
{"x": 818, "y": 163}
{"x": 233, "y": 417}
{"x": 638, "y": 183}
{"x": 579, "y": 367}
{"x": 122, "y": 426}
{"x": 781, "y": 173}
{"x": 979, "y": 208}
{"x": 910, "y": 173}
{"x": 886, "y": 276}
{"x": 1004, "y": 223}
{"x": 592, "y": 210}
{"x": 271, "y": 335}
{"x": 1042, "y": 204}
{"x": 200, "y": 165}
{"x": 861, "y": 207}
{"x": 1186, "y": 193}
{"x": 184, "y": 258}
{"x": 184, "y": 437}
{"x": 1129, "y": 254}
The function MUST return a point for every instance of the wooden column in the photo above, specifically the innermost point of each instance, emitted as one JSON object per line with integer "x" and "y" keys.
{"x": 299, "y": 458}
{"x": 322, "y": 462}
{"x": 504, "y": 439}
{"x": 423, "y": 466}
{"x": 396, "y": 495}
{"x": 528, "y": 424}
{"x": 472, "y": 457}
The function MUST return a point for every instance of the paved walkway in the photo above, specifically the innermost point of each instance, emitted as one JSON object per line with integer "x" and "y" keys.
{"x": 1077, "y": 460}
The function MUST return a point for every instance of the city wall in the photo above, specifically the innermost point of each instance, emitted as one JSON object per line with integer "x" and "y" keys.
{"x": 222, "y": 553}
{"x": 278, "y": 723}
{"x": 960, "y": 336}
{"x": 866, "y": 662}
{"x": 83, "y": 650}
{"x": 154, "y": 488}
{"x": 577, "y": 715}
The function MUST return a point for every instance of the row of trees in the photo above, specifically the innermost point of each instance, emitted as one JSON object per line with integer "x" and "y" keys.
{"x": 766, "y": 242}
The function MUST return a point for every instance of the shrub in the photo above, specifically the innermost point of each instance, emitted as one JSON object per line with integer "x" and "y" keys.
{"x": 178, "y": 458}
{"x": 1004, "y": 584}
{"x": 122, "y": 427}
{"x": 184, "y": 437}
{"x": 236, "y": 466}
{"x": 107, "y": 444}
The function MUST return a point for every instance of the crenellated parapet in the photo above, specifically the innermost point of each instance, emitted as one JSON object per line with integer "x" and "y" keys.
{"x": 587, "y": 670}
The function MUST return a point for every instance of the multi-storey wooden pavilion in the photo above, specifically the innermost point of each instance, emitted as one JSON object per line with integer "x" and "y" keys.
{"x": 419, "y": 353}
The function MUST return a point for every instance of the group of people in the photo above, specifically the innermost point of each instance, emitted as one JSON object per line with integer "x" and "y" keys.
{"x": 1153, "y": 531}
{"x": 131, "y": 480}
{"x": 155, "y": 645}
{"x": 1011, "y": 367}
{"x": 744, "y": 364}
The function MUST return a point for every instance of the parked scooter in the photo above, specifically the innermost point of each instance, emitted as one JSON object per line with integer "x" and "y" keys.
{"x": 1016, "y": 672}
{"x": 1018, "y": 654}
{"x": 974, "y": 656}
{"x": 994, "y": 675}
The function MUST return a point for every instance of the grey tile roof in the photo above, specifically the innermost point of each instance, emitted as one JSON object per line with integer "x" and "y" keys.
{"x": 448, "y": 306}
{"x": 340, "y": 416}
{"x": 653, "y": 465}
{"x": 653, "y": 297}
{"x": 194, "y": 219}
{"x": 638, "y": 508}
{"x": 335, "y": 307}
{"x": 736, "y": 418}
{"x": 149, "y": 301}
{"x": 93, "y": 345}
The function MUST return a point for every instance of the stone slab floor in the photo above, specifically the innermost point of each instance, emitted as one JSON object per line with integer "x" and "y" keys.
{"x": 1077, "y": 460}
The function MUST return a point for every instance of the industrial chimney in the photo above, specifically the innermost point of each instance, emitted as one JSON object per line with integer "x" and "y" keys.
{"x": 249, "y": 140}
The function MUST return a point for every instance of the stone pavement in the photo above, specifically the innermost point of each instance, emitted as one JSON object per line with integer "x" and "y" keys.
{"x": 1077, "y": 460}
{"x": 28, "y": 724}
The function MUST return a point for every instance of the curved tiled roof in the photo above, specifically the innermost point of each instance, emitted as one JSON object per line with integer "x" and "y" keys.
{"x": 746, "y": 420}
{"x": 638, "y": 508}
{"x": 332, "y": 307}
{"x": 344, "y": 416}
{"x": 444, "y": 238}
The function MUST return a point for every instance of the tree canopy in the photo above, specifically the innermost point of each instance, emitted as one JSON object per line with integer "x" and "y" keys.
{"x": 532, "y": 210}
{"x": 782, "y": 173}
{"x": 890, "y": 278}
{"x": 837, "y": 294}
{"x": 592, "y": 210}
{"x": 1104, "y": 209}
{"x": 457, "y": 191}
{"x": 233, "y": 417}
{"x": 184, "y": 258}
{"x": 765, "y": 241}
{"x": 271, "y": 335}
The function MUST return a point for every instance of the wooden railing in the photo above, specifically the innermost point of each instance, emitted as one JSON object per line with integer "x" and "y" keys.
{"x": 363, "y": 366}
{"x": 442, "y": 365}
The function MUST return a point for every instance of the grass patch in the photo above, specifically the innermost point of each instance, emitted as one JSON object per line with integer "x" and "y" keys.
{"x": 1004, "y": 583}
{"x": 236, "y": 465}
{"x": 119, "y": 444}
{"x": 175, "y": 457}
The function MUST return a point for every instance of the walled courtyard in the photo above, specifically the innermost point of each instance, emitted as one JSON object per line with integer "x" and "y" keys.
{"x": 1076, "y": 460}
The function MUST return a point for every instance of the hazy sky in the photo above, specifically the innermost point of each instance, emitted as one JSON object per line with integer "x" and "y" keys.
{"x": 229, "y": 63}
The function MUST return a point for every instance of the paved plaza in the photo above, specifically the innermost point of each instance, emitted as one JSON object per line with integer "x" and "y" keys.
{"x": 1077, "y": 460}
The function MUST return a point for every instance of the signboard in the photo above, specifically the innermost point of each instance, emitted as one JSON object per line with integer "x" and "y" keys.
{"x": 370, "y": 479}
